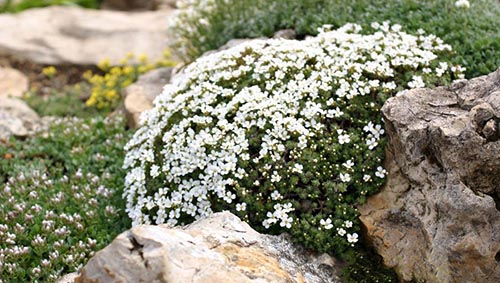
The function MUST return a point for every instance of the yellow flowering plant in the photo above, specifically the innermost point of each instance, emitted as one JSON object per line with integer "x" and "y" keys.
{"x": 106, "y": 87}
{"x": 49, "y": 71}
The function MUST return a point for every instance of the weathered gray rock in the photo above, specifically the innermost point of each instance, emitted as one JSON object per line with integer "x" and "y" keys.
{"x": 139, "y": 96}
{"x": 438, "y": 218}
{"x": 285, "y": 34}
{"x": 16, "y": 118}
{"x": 72, "y": 35}
{"x": 217, "y": 249}
{"x": 12, "y": 83}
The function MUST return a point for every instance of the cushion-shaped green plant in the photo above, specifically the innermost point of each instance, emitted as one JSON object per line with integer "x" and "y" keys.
{"x": 286, "y": 134}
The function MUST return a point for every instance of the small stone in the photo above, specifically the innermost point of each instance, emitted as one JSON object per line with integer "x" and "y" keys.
{"x": 481, "y": 113}
{"x": 139, "y": 96}
{"x": 16, "y": 118}
{"x": 13, "y": 83}
{"x": 285, "y": 34}
{"x": 490, "y": 130}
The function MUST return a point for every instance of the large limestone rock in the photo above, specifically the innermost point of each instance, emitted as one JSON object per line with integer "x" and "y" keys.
{"x": 12, "y": 83}
{"x": 17, "y": 118}
{"x": 219, "y": 249}
{"x": 140, "y": 95}
{"x": 72, "y": 35}
{"x": 438, "y": 218}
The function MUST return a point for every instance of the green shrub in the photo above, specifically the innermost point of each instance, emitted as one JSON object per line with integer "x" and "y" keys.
{"x": 473, "y": 32}
{"x": 285, "y": 134}
{"x": 61, "y": 198}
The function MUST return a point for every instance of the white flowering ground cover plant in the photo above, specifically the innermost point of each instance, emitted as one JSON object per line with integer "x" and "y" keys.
{"x": 286, "y": 134}
{"x": 60, "y": 198}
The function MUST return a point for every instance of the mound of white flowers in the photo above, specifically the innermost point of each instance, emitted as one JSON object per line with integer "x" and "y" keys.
{"x": 286, "y": 134}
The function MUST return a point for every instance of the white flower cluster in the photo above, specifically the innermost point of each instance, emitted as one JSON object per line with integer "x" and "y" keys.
{"x": 462, "y": 4}
{"x": 187, "y": 153}
{"x": 280, "y": 215}
{"x": 55, "y": 227}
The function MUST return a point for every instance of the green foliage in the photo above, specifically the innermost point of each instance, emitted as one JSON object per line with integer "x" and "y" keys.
{"x": 365, "y": 266}
{"x": 61, "y": 198}
{"x": 12, "y": 6}
{"x": 473, "y": 32}
{"x": 65, "y": 103}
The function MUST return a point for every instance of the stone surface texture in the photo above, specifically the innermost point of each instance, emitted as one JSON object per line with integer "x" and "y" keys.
{"x": 13, "y": 83}
{"x": 17, "y": 118}
{"x": 70, "y": 35}
{"x": 140, "y": 95}
{"x": 68, "y": 278}
{"x": 438, "y": 219}
{"x": 217, "y": 249}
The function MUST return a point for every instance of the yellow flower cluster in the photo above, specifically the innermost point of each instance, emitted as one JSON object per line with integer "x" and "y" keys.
{"x": 49, "y": 71}
{"x": 106, "y": 87}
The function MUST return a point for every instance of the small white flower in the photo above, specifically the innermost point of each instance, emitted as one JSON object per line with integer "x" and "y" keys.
{"x": 352, "y": 238}
{"x": 343, "y": 139}
{"x": 287, "y": 222}
{"x": 297, "y": 168}
{"x": 275, "y": 177}
{"x": 241, "y": 206}
{"x": 345, "y": 177}
{"x": 381, "y": 172}
{"x": 327, "y": 224}
{"x": 371, "y": 143}
{"x": 341, "y": 232}
{"x": 348, "y": 224}
{"x": 266, "y": 224}
{"x": 276, "y": 195}
{"x": 348, "y": 164}
{"x": 367, "y": 178}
